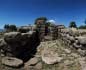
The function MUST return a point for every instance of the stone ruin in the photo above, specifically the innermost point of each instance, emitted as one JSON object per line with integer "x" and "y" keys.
{"x": 74, "y": 38}
{"x": 23, "y": 45}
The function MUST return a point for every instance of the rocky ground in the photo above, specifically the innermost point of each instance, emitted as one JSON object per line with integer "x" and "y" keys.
{"x": 56, "y": 56}
{"x": 53, "y": 55}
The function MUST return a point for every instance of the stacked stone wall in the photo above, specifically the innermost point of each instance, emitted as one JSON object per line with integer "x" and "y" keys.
{"x": 74, "y": 38}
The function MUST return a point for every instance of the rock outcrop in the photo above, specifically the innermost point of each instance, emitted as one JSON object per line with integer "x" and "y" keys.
{"x": 19, "y": 44}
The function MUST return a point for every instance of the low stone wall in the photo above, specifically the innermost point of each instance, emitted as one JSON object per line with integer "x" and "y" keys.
{"x": 75, "y": 38}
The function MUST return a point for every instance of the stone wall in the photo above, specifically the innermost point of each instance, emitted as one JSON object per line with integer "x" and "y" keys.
{"x": 74, "y": 38}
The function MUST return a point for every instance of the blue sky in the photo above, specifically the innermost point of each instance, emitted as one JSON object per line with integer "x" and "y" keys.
{"x": 24, "y": 12}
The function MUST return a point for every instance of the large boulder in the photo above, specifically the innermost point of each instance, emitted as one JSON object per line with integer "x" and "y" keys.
{"x": 25, "y": 38}
{"x": 12, "y": 37}
{"x": 20, "y": 45}
{"x": 82, "y": 40}
{"x": 49, "y": 55}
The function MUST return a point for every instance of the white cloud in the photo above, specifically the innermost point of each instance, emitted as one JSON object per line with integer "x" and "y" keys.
{"x": 52, "y": 21}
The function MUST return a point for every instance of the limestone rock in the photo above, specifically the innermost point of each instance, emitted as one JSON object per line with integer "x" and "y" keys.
{"x": 32, "y": 62}
{"x": 12, "y": 37}
{"x": 81, "y": 39}
{"x": 67, "y": 50}
{"x": 51, "y": 60}
{"x": 75, "y": 55}
{"x": 38, "y": 66}
{"x": 68, "y": 62}
{"x": 50, "y": 57}
{"x": 12, "y": 62}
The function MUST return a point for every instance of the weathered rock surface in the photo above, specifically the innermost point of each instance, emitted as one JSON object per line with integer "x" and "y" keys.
{"x": 12, "y": 62}
{"x": 12, "y": 37}
{"x": 67, "y": 50}
{"x": 49, "y": 55}
{"x": 32, "y": 62}
{"x": 51, "y": 59}
{"x": 82, "y": 40}
{"x": 16, "y": 43}
{"x": 82, "y": 62}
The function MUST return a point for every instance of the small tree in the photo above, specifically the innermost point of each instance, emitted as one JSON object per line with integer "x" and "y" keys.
{"x": 41, "y": 18}
{"x": 73, "y": 24}
{"x": 12, "y": 28}
{"x": 6, "y": 26}
{"x": 85, "y": 21}
{"x": 82, "y": 27}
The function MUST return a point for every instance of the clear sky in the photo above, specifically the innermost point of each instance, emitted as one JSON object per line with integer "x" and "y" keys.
{"x": 24, "y": 12}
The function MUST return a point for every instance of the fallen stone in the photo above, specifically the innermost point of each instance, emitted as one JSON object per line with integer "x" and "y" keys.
{"x": 32, "y": 62}
{"x": 51, "y": 60}
{"x": 81, "y": 39}
{"x": 75, "y": 55}
{"x": 49, "y": 57}
{"x": 68, "y": 62}
{"x": 38, "y": 66}
{"x": 67, "y": 51}
{"x": 12, "y": 62}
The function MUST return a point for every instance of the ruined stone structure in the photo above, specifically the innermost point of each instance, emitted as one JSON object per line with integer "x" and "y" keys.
{"x": 22, "y": 45}
{"x": 74, "y": 38}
